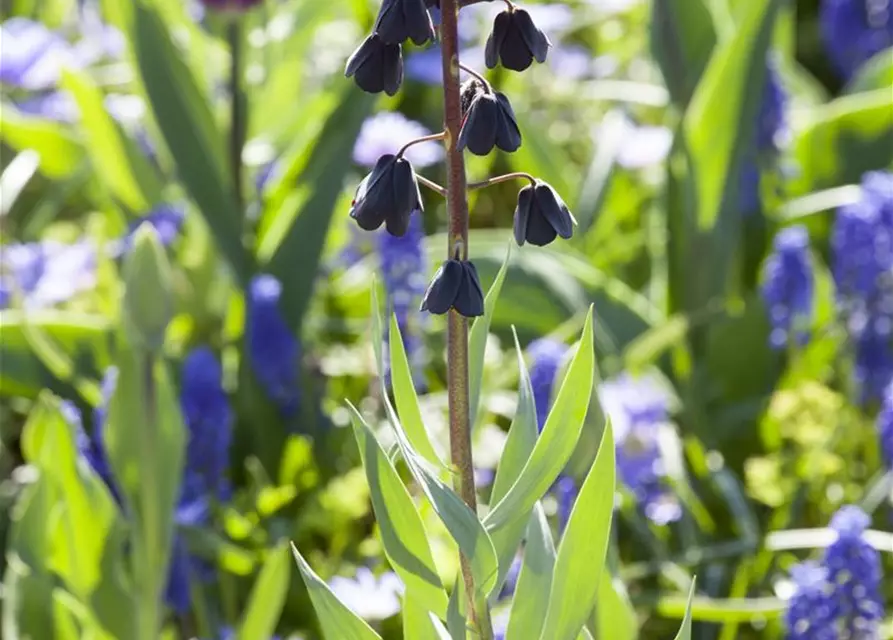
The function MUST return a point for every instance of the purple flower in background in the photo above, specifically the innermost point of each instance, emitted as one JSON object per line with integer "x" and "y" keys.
{"x": 862, "y": 265}
{"x": 644, "y": 146}
{"x": 91, "y": 447}
{"x": 167, "y": 220}
{"x": 885, "y": 426}
{"x": 570, "y": 61}
{"x": 264, "y": 174}
{"x": 639, "y": 409}
{"x": 49, "y": 272}
{"x": 370, "y": 597}
{"x": 788, "y": 285}
{"x": 32, "y": 56}
{"x": 511, "y": 578}
{"x": 811, "y": 610}
{"x": 854, "y": 570}
{"x": 386, "y": 132}
{"x": 54, "y": 105}
{"x": 854, "y": 31}
{"x": 404, "y": 269}
{"x": 426, "y": 66}
{"x": 274, "y": 350}
{"x": 566, "y": 491}
{"x": 547, "y": 357}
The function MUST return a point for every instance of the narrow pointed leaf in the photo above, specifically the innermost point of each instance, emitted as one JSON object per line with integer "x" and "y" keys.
{"x": 575, "y": 584}
{"x": 455, "y": 611}
{"x": 406, "y": 399}
{"x": 558, "y": 439}
{"x": 531, "y": 597}
{"x": 685, "y": 629}
{"x": 377, "y": 332}
{"x": 420, "y": 623}
{"x": 401, "y": 528}
{"x": 338, "y": 622}
{"x": 267, "y": 596}
{"x": 614, "y": 613}
{"x": 477, "y": 340}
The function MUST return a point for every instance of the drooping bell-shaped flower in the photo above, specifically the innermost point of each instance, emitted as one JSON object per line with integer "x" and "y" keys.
{"x": 401, "y": 19}
{"x": 455, "y": 286}
{"x": 376, "y": 66}
{"x": 541, "y": 215}
{"x": 387, "y": 196}
{"x": 515, "y": 41}
{"x": 488, "y": 121}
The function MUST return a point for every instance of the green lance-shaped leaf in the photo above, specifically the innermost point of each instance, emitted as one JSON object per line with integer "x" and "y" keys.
{"x": 61, "y": 152}
{"x": 338, "y": 622}
{"x": 575, "y": 584}
{"x": 556, "y": 442}
{"x": 420, "y": 624}
{"x": 462, "y": 523}
{"x": 148, "y": 296}
{"x": 682, "y": 38}
{"x": 402, "y": 531}
{"x": 185, "y": 120}
{"x": 685, "y": 629}
{"x": 267, "y": 596}
{"x": 531, "y": 598}
{"x": 145, "y": 440}
{"x": 406, "y": 399}
{"x": 456, "y": 623}
{"x": 518, "y": 446}
{"x": 477, "y": 340}
{"x": 614, "y": 613}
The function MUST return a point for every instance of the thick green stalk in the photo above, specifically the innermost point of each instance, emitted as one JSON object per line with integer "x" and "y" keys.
{"x": 457, "y": 325}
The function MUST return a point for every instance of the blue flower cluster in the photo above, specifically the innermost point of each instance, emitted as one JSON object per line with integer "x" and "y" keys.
{"x": 274, "y": 350}
{"x": 885, "y": 426}
{"x": 404, "y": 269}
{"x": 209, "y": 422}
{"x": 547, "y": 358}
{"x": 841, "y": 596}
{"x": 639, "y": 409}
{"x": 854, "y": 31}
{"x": 788, "y": 286}
{"x": 862, "y": 248}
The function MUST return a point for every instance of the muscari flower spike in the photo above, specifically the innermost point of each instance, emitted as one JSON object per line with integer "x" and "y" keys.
{"x": 541, "y": 215}
{"x": 788, "y": 285}
{"x": 489, "y": 120}
{"x": 376, "y": 66}
{"x": 455, "y": 285}
{"x": 401, "y": 19}
{"x": 388, "y": 195}
{"x": 811, "y": 611}
{"x": 854, "y": 31}
{"x": 515, "y": 41}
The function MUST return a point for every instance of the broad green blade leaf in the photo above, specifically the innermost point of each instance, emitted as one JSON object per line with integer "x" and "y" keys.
{"x": 575, "y": 584}
{"x": 419, "y": 623}
{"x": 377, "y": 332}
{"x": 531, "y": 597}
{"x": 300, "y": 236}
{"x": 456, "y": 611}
{"x": 462, "y": 523}
{"x": 402, "y": 531}
{"x": 556, "y": 442}
{"x": 124, "y": 169}
{"x": 267, "y": 596}
{"x": 685, "y": 629}
{"x": 187, "y": 125}
{"x": 477, "y": 340}
{"x": 518, "y": 446}
{"x": 682, "y": 38}
{"x": 614, "y": 613}
{"x": 61, "y": 154}
{"x": 337, "y": 621}
{"x": 721, "y": 117}
{"x": 64, "y": 617}
{"x": 406, "y": 399}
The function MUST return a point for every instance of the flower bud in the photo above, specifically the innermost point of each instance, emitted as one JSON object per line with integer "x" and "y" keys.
{"x": 388, "y": 195}
{"x": 455, "y": 285}
{"x": 401, "y": 19}
{"x": 147, "y": 288}
{"x": 541, "y": 215}
{"x": 470, "y": 90}
{"x": 515, "y": 41}
{"x": 376, "y": 66}
{"x": 489, "y": 122}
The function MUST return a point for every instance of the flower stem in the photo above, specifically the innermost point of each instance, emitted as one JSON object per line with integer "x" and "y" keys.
{"x": 489, "y": 182}
{"x": 457, "y": 325}
{"x": 433, "y": 136}
{"x": 238, "y": 108}
{"x": 477, "y": 76}
{"x": 431, "y": 185}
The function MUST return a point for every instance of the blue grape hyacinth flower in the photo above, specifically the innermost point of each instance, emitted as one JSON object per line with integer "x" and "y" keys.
{"x": 854, "y": 570}
{"x": 547, "y": 358}
{"x": 811, "y": 611}
{"x": 854, "y": 31}
{"x": 274, "y": 350}
{"x": 788, "y": 286}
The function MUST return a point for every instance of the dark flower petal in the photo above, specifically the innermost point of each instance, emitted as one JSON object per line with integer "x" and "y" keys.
{"x": 393, "y": 69}
{"x": 508, "y": 136}
{"x": 418, "y": 21}
{"x": 404, "y": 194}
{"x": 497, "y": 37}
{"x": 553, "y": 209}
{"x": 470, "y": 298}
{"x": 540, "y": 231}
{"x": 537, "y": 42}
{"x": 390, "y": 25}
{"x": 376, "y": 66}
{"x": 522, "y": 214}
{"x": 478, "y": 131}
{"x": 374, "y": 197}
{"x": 515, "y": 54}
{"x": 401, "y": 19}
{"x": 359, "y": 57}
{"x": 442, "y": 291}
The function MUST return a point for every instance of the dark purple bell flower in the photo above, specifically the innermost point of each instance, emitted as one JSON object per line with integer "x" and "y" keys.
{"x": 376, "y": 66}
{"x": 388, "y": 195}
{"x": 489, "y": 121}
{"x": 515, "y": 41}
{"x": 401, "y": 19}
{"x": 455, "y": 285}
{"x": 541, "y": 215}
